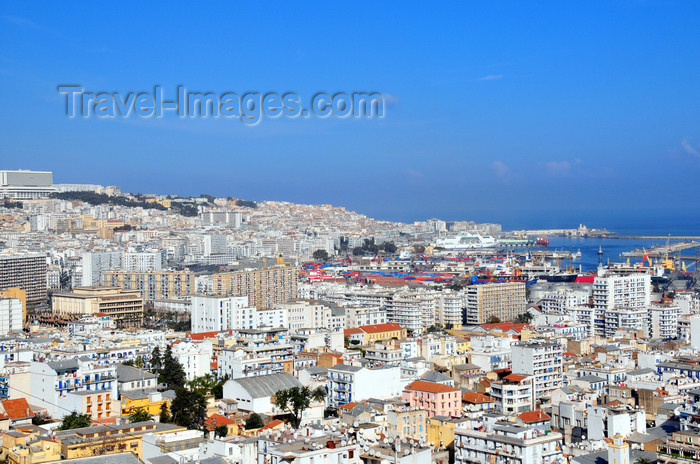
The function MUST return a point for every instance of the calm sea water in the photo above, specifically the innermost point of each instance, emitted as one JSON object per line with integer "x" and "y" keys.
{"x": 611, "y": 247}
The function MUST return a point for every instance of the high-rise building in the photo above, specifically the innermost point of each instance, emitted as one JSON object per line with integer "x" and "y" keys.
{"x": 96, "y": 263}
{"x": 610, "y": 292}
{"x": 543, "y": 361}
{"x": 504, "y": 301}
{"x": 156, "y": 285}
{"x": 26, "y": 271}
{"x": 26, "y": 185}
{"x": 264, "y": 287}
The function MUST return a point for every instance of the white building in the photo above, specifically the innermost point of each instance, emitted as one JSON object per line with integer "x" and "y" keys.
{"x": 195, "y": 357}
{"x": 95, "y": 263}
{"x": 50, "y": 383}
{"x": 219, "y": 313}
{"x": 255, "y": 394}
{"x": 663, "y": 321}
{"x": 10, "y": 315}
{"x": 357, "y": 316}
{"x": 543, "y": 361}
{"x": 26, "y": 185}
{"x": 348, "y": 384}
{"x": 304, "y": 314}
{"x": 507, "y": 443}
{"x": 619, "y": 291}
{"x": 142, "y": 261}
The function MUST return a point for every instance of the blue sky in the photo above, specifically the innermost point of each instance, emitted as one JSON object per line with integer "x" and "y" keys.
{"x": 556, "y": 113}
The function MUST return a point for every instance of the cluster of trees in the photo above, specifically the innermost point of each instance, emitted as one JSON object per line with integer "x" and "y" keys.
{"x": 102, "y": 199}
{"x": 320, "y": 255}
{"x": 189, "y": 408}
{"x": 371, "y": 248}
{"x": 246, "y": 203}
{"x": 7, "y": 203}
{"x": 75, "y": 421}
{"x": 525, "y": 318}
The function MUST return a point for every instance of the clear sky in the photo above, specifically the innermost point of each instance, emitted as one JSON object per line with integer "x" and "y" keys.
{"x": 559, "y": 112}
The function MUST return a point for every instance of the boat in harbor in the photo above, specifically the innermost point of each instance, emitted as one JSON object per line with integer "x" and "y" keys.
{"x": 466, "y": 241}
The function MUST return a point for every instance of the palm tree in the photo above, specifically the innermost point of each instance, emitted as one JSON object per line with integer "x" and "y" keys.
{"x": 642, "y": 461}
{"x": 318, "y": 394}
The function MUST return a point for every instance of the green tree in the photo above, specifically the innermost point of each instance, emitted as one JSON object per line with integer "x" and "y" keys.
{"x": 164, "y": 413}
{"x": 254, "y": 422}
{"x": 189, "y": 408}
{"x": 172, "y": 373}
{"x": 642, "y": 461}
{"x": 140, "y": 415}
{"x": 320, "y": 255}
{"x": 296, "y": 400}
{"x": 156, "y": 360}
{"x": 525, "y": 318}
{"x": 75, "y": 421}
{"x": 493, "y": 320}
{"x": 221, "y": 431}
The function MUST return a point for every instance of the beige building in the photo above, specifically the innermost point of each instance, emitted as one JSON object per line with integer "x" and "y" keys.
{"x": 125, "y": 307}
{"x": 495, "y": 300}
{"x": 264, "y": 288}
{"x": 157, "y": 285}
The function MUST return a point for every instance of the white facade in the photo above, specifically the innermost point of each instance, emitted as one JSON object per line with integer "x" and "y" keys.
{"x": 543, "y": 361}
{"x": 219, "y": 313}
{"x": 95, "y": 263}
{"x": 663, "y": 321}
{"x": 195, "y": 357}
{"x": 507, "y": 444}
{"x": 10, "y": 315}
{"x": 359, "y": 316}
{"x": 142, "y": 261}
{"x": 347, "y": 384}
{"x": 631, "y": 291}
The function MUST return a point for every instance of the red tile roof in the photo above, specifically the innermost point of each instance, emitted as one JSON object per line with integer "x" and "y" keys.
{"x": 504, "y": 327}
{"x": 515, "y": 377}
{"x": 17, "y": 409}
{"x": 348, "y": 406}
{"x": 355, "y": 331}
{"x": 272, "y": 424}
{"x": 476, "y": 398}
{"x": 205, "y": 335}
{"x": 378, "y": 328}
{"x": 430, "y": 387}
{"x": 533, "y": 416}
{"x": 216, "y": 420}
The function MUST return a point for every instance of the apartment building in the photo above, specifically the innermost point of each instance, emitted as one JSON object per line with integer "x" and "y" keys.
{"x": 407, "y": 422}
{"x": 124, "y": 307}
{"x": 218, "y": 313}
{"x": 11, "y": 320}
{"x": 26, "y": 271}
{"x": 264, "y": 287}
{"x": 507, "y": 444}
{"x": 96, "y": 263}
{"x": 542, "y": 361}
{"x": 514, "y": 394}
{"x": 436, "y": 398}
{"x": 663, "y": 320}
{"x": 304, "y": 314}
{"x": 355, "y": 316}
{"x": 348, "y": 384}
{"x": 156, "y": 285}
{"x": 610, "y": 292}
{"x": 504, "y": 301}
{"x": 60, "y": 385}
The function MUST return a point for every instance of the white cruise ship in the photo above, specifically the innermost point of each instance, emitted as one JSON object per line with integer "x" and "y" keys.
{"x": 466, "y": 241}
